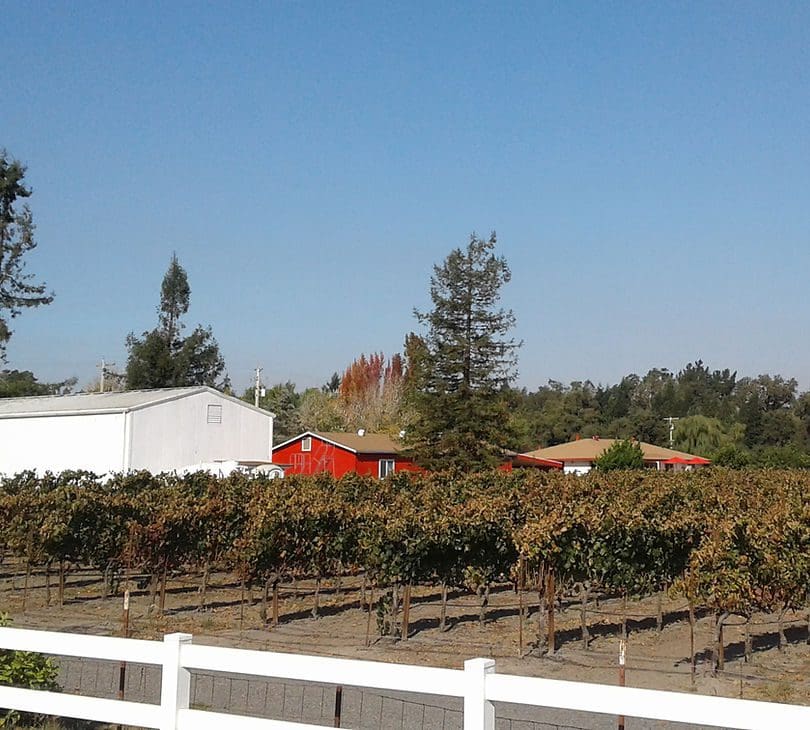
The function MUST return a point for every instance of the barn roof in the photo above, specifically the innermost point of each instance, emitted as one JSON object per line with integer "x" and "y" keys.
{"x": 99, "y": 403}
{"x": 589, "y": 449}
{"x": 369, "y": 443}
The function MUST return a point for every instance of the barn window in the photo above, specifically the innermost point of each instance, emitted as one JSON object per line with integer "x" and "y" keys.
{"x": 214, "y": 414}
{"x": 306, "y": 444}
{"x": 386, "y": 467}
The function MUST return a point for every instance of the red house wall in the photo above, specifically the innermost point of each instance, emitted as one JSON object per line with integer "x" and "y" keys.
{"x": 370, "y": 463}
{"x": 322, "y": 457}
{"x": 334, "y": 459}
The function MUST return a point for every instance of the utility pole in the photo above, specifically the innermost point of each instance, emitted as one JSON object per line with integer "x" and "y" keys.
{"x": 103, "y": 365}
{"x": 257, "y": 387}
{"x": 671, "y": 422}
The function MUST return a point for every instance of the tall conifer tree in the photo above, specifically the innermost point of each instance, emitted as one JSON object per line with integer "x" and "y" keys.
{"x": 17, "y": 289}
{"x": 161, "y": 358}
{"x": 175, "y": 295}
{"x": 460, "y": 369}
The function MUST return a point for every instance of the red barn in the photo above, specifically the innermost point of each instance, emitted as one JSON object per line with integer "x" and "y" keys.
{"x": 373, "y": 454}
{"x": 312, "y": 452}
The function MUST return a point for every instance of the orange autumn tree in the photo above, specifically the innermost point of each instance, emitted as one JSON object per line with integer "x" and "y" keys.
{"x": 370, "y": 394}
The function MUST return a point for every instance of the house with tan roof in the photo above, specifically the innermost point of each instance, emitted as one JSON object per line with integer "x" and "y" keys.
{"x": 578, "y": 456}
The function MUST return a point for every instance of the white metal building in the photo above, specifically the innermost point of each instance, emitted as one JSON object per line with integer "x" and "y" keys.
{"x": 158, "y": 430}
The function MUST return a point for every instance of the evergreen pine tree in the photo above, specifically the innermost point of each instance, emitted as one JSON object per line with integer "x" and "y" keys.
{"x": 161, "y": 358}
{"x": 175, "y": 295}
{"x": 17, "y": 290}
{"x": 459, "y": 371}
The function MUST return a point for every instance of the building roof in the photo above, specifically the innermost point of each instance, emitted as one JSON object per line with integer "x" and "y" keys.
{"x": 369, "y": 443}
{"x": 381, "y": 443}
{"x": 590, "y": 449}
{"x": 526, "y": 460}
{"x": 100, "y": 403}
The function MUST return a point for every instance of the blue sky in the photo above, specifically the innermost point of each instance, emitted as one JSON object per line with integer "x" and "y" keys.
{"x": 646, "y": 167}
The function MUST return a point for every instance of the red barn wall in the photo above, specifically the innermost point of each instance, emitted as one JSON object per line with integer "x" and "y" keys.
{"x": 334, "y": 459}
{"x": 370, "y": 463}
{"x": 323, "y": 457}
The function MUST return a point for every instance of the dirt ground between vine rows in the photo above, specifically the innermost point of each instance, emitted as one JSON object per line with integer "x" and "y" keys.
{"x": 654, "y": 660}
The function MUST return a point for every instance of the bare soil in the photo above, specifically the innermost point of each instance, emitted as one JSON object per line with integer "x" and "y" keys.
{"x": 654, "y": 659}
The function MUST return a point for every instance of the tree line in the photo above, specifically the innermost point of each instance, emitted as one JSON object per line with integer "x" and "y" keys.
{"x": 728, "y": 543}
{"x": 452, "y": 388}
{"x": 737, "y": 421}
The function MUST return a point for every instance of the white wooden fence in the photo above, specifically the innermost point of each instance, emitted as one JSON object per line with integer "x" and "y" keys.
{"x": 478, "y": 684}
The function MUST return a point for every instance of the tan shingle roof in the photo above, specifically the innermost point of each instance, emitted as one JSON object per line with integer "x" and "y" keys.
{"x": 370, "y": 443}
{"x": 589, "y": 449}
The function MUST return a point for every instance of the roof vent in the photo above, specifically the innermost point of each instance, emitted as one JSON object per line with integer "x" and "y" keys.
{"x": 361, "y": 432}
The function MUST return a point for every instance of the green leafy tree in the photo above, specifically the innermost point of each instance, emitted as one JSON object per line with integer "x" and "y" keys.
{"x": 161, "y": 358}
{"x": 781, "y": 457}
{"x": 704, "y": 391}
{"x": 319, "y": 411}
{"x": 460, "y": 409}
{"x": 801, "y": 409}
{"x": 732, "y": 456}
{"x": 625, "y": 454}
{"x": 703, "y": 435}
{"x": 17, "y": 288}
{"x": 20, "y": 383}
{"x": 283, "y": 400}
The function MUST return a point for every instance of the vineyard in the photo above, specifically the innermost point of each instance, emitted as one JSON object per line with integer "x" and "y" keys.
{"x": 728, "y": 543}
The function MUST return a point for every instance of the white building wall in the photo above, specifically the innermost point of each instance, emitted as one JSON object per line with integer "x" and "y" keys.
{"x": 57, "y": 443}
{"x": 172, "y": 435}
{"x": 577, "y": 467}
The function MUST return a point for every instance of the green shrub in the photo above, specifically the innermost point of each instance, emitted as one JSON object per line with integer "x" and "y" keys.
{"x": 624, "y": 454}
{"x": 28, "y": 670}
{"x": 781, "y": 457}
{"x": 733, "y": 457}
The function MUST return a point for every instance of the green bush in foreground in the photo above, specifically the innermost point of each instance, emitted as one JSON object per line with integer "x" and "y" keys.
{"x": 28, "y": 670}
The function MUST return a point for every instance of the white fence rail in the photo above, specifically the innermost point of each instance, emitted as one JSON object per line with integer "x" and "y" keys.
{"x": 477, "y": 684}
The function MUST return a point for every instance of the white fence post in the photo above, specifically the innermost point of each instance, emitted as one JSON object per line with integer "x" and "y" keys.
{"x": 175, "y": 685}
{"x": 479, "y": 712}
